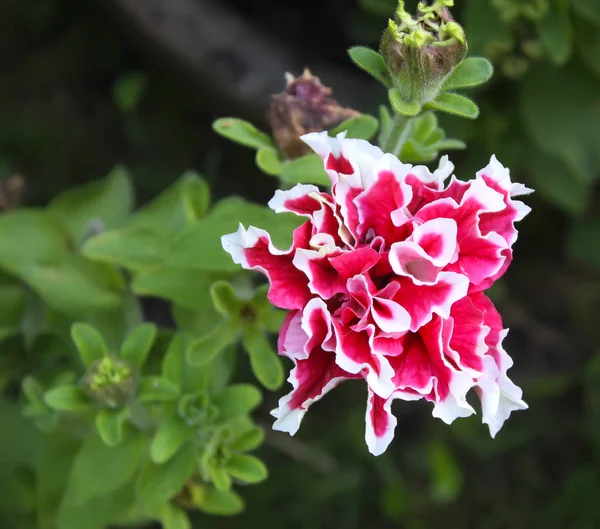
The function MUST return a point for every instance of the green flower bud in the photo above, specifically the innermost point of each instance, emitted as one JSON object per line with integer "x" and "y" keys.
{"x": 110, "y": 382}
{"x": 420, "y": 52}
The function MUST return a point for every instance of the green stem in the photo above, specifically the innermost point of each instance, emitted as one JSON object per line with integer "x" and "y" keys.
{"x": 398, "y": 135}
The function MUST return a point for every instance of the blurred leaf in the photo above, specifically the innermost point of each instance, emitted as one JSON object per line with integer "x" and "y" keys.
{"x": 12, "y": 306}
{"x": 561, "y": 113}
{"x": 446, "y": 476}
{"x": 242, "y": 132}
{"x": 109, "y": 201}
{"x": 247, "y": 468}
{"x": 173, "y": 210}
{"x": 29, "y": 236}
{"x": 137, "y": 249}
{"x": 99, "y": 469}
{"x": 203, "y": 351}
{"x": 362, "y": 127}
{"x": 588, "y": 9}
{"x": 109, "y": 424}
{"x": 173, "y": 517}
{"x": 225, "y": 299}
{"x": 170, "y": 436}
{"x": 68, "y": 398}
{"x": 583, "y": 241}
{"x": 455, "y": 104}
{"x": 220, "y": 478}
{"x": 236, "y": 401}
{"x": 588, "y": 44}
{"x": 248, "y": 439}
{"x": 157, "y": 484}
{"x": 400, "y": 105}
{"x": 128, "y": 90}
{"x": 199, "y": 247}
{"x": 73, "y": 285}
{"x": 157, "y": 389}
{"x": 305, "y": 170}
{"x": 265, "y": 363}
{"x": 184, "y": 287}
{"x": 556, "y": 32}
{"x": 223, "y": 503}
{"x": 268, "y": 161}
{"x": 89, "y": 342}
{"x": 557, "y": 184}
{"x": 473, "y": 71}
{"x": 371, "y": 62}
{"x": 138, "y": 343}
{"x": 486, "y": 33}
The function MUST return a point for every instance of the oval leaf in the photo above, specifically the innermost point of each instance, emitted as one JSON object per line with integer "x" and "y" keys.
{"x": 306, "y": 170}
{"x": 67, "y": 398}
{"x": 170, "y": 436}
{"x": 157, "y": 389}
{"x": 473, "y": 71}
{"x": 371, "y": 62}
{"x": 362, "y": 127}
{"x": 109, "y": 424}
{"x": 242, "y": 132}
{"x": 223, "y": 503}
{"x": 138, "y": 343}
{"x": 248, "y": 440}
{"x": 455, "y": 104}
{"x": 268, "y": 161}
{"x": 225, "y": 299}
{"x": 401, "y": 106}
{"x": 236, "y": 401}
{"x": 220, "y": 478}
{"x": 203, "y": 351}
{"x": 265, "y": 363}
{"x": 247, "y": 468}
{"x": 89, "y": 342}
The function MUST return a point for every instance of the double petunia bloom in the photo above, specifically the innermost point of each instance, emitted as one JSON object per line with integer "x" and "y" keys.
{"x": 384, "y": 282}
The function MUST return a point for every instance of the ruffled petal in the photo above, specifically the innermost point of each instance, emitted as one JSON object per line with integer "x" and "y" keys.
{"x": 380, "y": 424}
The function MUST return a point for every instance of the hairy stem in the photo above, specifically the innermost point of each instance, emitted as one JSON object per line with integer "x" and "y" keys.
{"x": 398, "y": 135}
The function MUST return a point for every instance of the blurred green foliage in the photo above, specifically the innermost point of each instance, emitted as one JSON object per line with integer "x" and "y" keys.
{"x": 104, "y": 417}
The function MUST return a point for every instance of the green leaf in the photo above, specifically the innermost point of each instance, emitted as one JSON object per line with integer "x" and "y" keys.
{"x": 109, "y": 201}
{"x": 385, "y": 124}
{"x": 308, "y": 169}
{"x": 446, "y": 476}
{"x": 203, "y": 351}
{"x": 247, "y": 468}
{"x": 557, "y": 184}
{"x": 556, "y": 32}
{"x": 137, "y": 249}
{"x": 109, "y": 424}
{"x": 560, "y": 112}
{"x": 182, "y": 286}
{"x": 588, "y": 9}
{"x": 455, "y": 104}
{"x": 271, "y": 320}
{"x": 159, "y": 389}
{"x": 242, "y": 132}
{"x": 170, "y": 436}
{"x": 583, "y": 241}
{"x": 68, "y": 398}
{"x": 371, "y": 62}
{"x": 221, "y": 503}
{"x": 268, "y": 161}
{"x": 265, "y": 363}
{"x": 225, "y": 300}
{"x": 448, "y": 145}
{"x": 173, "y": 210}
{"x": 588, "y": 45}
{"x": 173, "y": 517}
{"x": 220, "y": 478}
{"x": 13, "y": 303}
{"x": 423, "y": 127}
{"x": 405, "y": 108}
{"x": 473, "y": 71}
{"x": 362, "y": 127}
{"x": 89, "y": 342}
{"x": 29, "y": 236}
{"x": 128, "y": 90}
{"x": 248, "y": 440}
{"x": 236, "y": 401}
{"x": 74, "y": 285}
{"x": 138, "y": 343}
{"x": 157, "y": 484}
{"x": 200, "y": 248}
{"x": 99, "y": 469}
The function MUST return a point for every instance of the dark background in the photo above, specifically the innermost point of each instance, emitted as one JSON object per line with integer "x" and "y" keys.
{"x": 86, "y": 85}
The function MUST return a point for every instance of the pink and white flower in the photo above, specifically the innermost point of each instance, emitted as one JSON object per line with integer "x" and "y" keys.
{"x": 384, "y": 283}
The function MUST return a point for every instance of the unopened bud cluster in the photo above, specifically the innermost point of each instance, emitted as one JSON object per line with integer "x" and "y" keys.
{"x": 110, "y": 382}
{"x": 420, "y": 51}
